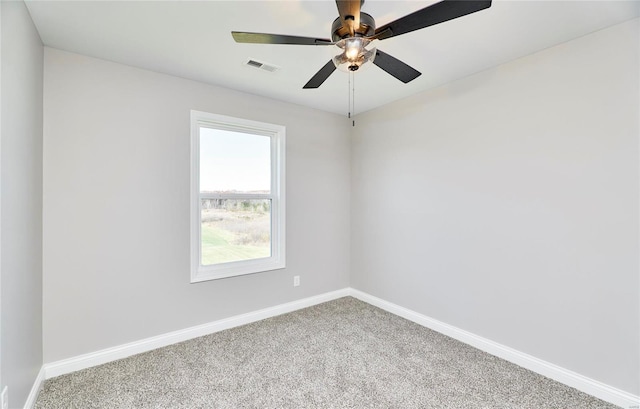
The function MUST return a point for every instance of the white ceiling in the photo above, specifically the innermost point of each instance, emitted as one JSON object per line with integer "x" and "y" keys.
{"x": 192, "y": 40}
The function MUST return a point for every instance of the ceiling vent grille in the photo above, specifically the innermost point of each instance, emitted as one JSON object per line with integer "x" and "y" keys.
{"x": 262, "y": 66}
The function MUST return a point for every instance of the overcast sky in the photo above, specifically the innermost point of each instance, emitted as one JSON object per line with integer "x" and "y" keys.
{"x": 233, "y": 161}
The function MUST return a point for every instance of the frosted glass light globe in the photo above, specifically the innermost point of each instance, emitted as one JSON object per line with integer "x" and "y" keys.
{"x": 350, "y": 54}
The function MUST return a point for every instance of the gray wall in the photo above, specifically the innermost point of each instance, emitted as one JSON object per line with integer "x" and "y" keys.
{"x": 506, "y": 204}
{"x": 21, "y": 202}
{"x": 116, "y": 205}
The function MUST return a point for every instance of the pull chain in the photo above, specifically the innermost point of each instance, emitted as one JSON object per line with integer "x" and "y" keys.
{"x": 349, "y": 96}
{"x": 351, "y": 90}
{"x": 353, "y": 99}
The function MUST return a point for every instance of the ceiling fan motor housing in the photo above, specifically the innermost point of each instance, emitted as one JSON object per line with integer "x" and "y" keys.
{"x": 367, "y": 28}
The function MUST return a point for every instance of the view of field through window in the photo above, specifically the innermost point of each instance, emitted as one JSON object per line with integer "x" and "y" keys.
{"x": 232, "y": 164}
{"x": 234, "y": 230}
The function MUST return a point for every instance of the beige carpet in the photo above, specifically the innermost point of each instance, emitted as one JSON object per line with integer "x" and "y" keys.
{"x": 340, "y": 354}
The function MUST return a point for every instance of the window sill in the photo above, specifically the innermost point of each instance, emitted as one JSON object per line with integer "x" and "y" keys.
{"x": 233, "y": 269}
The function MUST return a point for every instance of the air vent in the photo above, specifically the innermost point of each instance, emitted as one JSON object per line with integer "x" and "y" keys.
{"x": 262, "y": 66}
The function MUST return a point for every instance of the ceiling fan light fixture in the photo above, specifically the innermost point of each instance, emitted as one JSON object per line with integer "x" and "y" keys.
{"x": 350, "y": 54}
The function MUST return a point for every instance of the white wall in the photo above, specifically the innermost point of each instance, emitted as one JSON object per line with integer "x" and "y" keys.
{"x": 506, "y": 204}
{"x": 116, "y": 205}
{"x": 21, "y": 202}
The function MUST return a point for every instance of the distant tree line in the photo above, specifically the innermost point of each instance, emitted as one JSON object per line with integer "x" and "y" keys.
{"x": 238, "y": 205}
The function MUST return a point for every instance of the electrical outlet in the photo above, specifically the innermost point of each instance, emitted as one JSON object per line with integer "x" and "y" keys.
{"x": 4, "y": 399}
{"x": 296, "y": 281}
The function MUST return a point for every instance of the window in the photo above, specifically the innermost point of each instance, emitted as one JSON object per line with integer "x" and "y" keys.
{"x": 237, "y": 196}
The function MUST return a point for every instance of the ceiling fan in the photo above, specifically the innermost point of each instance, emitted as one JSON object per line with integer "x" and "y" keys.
{"x": 353, "y": 32}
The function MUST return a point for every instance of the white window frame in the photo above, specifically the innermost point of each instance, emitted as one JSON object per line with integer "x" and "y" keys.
{"x": 230, "y": 269}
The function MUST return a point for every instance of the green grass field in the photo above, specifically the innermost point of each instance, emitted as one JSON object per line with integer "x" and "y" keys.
{"x": 230, "y": 241}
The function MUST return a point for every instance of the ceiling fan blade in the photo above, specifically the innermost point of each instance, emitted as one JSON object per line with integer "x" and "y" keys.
{"x": 264, "y": 38}
{"x": 349, "y": 11}
{"x": 436, "y": 13}
{"x": 395, "y": 67}
{"x": 321, "y": 75}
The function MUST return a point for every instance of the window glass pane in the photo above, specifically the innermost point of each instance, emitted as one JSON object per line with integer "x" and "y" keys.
{"x": 234, "y": 162}
{"x": 234, "y": 230}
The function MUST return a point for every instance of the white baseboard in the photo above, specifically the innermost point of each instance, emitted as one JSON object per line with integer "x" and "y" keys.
{"x": 122, "y": 351}
{"x": 567, "y": 377}
{"x": 35, "y": 389}
{"x": 562, "y": 375}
